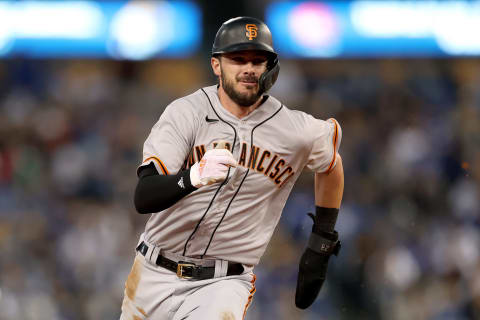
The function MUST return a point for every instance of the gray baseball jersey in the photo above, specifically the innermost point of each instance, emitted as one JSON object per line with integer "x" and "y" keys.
{"x": 233, "y": 220}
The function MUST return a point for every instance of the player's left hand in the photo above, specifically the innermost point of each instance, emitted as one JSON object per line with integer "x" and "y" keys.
{"x": 313, "y": 265}
{"x": 311, "y": 275}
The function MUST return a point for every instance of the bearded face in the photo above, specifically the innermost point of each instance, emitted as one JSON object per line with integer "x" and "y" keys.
{"x": 239, "y": 74}
{"x": 242, "y": 98}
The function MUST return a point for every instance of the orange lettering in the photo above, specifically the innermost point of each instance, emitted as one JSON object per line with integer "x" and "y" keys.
{"x": 253, "y": 157}
{"x": 259, "y": 166}
{"x": 279, "y": 164}
{"x": 251, "y": 31}
{"x": 243, "y": 155}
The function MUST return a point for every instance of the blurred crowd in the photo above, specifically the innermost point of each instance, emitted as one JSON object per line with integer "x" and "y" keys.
{"x": 71, "y": 137}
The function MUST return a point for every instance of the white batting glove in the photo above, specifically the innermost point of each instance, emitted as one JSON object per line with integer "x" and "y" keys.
{"x": 213, "y": 167}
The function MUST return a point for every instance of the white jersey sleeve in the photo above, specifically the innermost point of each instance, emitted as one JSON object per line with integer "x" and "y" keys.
{"x": 327, "y": 136}
{"x": 171, "y": 138}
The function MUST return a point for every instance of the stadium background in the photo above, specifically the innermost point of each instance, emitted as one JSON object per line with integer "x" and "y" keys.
{"x": 71, "y": 135}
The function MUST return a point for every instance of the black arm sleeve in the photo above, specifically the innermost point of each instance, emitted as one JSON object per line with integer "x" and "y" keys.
{"x": 156, "y": 192}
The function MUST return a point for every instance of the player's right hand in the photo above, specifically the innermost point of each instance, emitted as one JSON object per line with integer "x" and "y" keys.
{"x": 213, "y": 167}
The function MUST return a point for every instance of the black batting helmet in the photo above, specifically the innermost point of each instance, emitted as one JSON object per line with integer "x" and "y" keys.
{"x": 247, "y": 33}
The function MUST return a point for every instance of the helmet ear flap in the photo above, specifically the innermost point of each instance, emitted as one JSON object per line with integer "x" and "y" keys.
{"x": 268, "y": 78}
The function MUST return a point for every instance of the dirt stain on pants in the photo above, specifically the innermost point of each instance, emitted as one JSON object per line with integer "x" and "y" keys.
{"x": 227, "y": 315}
{"x": 133, "y": 280}
{"x": 131, "y": 287}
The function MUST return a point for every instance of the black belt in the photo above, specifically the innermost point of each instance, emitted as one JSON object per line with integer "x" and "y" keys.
{"x": 188, "y": 270}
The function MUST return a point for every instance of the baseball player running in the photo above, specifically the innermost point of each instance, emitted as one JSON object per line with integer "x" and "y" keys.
{"x": 217, "y": 169}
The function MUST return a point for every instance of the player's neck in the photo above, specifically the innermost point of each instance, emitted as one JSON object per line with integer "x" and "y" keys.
{"x": 235, "y": 109}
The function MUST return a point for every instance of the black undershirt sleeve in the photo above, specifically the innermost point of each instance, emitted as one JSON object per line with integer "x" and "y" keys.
{"x": 156, "y": 192}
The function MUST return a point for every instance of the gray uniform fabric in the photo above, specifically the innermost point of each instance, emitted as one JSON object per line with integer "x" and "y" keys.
{"x": 233, "y": 220}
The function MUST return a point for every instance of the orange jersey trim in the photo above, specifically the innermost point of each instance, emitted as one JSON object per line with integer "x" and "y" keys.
{"x": 160, "y": 163}
{"x": 335, "y": 141}
{"x": 250, "y": 297}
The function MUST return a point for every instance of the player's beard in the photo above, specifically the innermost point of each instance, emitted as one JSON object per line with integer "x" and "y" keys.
{"x": 242, "y": 99}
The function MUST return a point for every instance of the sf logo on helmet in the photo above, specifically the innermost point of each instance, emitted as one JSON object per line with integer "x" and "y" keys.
{"x": 251, "y": 31}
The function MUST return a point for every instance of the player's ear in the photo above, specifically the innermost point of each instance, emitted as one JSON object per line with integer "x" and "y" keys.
{"x": 215, "y": 62}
